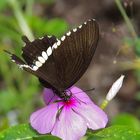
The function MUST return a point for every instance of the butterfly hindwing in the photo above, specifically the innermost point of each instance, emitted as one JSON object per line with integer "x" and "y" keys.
{"x": 33, "y": 49}
{"x": 31, "y": 52}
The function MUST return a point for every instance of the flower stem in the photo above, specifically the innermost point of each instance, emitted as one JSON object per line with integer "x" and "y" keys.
{"x": 104, "y": 104}
{"x": 21, "y": 20}
{"x": 126, "y": 18}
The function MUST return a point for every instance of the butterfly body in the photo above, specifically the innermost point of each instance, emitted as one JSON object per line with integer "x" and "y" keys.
{"x": 61, "y": 94}
{"x": 60, "y": 63}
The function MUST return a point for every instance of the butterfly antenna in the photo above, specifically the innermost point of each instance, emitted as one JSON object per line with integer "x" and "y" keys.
{"x": 88, "y": 90}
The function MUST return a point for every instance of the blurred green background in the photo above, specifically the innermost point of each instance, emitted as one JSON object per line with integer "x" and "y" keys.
{"x": 118, "y": 53}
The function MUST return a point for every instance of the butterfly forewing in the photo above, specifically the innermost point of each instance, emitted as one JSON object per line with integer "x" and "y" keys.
{"x": 74, "y": 54}
{"x": 67, "y": 60}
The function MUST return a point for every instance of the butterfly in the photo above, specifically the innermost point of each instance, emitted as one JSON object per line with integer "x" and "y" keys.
{"x": 60, "y": 63}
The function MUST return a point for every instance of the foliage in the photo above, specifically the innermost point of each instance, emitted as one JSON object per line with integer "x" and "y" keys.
{"x": 20, "y": 90}
{"x": 134, "y": 42}
{"x": 116, "y": 132}
{"x": 17, "y": 92}
{"x": 127, "y": 120}
{"x": 23, "y": 131}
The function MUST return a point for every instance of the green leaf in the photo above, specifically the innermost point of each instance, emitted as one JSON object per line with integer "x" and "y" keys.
{"x": 42, "y": 26}
{"x": 137, "y": 96}
{"x": 3, "y": 4}
{"x": 45, "y": 1}
{"x": 119, "y": 133}
{"x": 133, "y": 43}
{"x": 129, "y": 41}
{"x": 4, "y": 123}
{"x": 95, "y": 138}
{"x": 8, "y": 100}
{"x": 126, "y": 119}
{"x": 56, "y": 27}
{"x": 48, "y": 137}
{"x": 24, "y": 132}
{"x": 116, "y": 133}
{"x": 137, "y": 46}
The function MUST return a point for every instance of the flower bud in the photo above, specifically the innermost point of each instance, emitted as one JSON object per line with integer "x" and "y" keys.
{"x": 115, "y": 88}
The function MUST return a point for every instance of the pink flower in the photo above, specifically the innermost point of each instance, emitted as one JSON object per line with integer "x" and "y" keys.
{"x": 70, "y": 119}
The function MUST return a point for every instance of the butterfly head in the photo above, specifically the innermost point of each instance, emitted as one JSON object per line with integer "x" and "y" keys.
{"x": 64, "y": 95}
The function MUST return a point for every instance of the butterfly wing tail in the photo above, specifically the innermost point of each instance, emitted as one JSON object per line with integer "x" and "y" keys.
{"x": 19, "y": 62}
{"x": 15, "y": 58}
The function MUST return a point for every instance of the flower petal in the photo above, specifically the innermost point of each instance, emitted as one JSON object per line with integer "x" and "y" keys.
{"x": 44, "y": 119}
{"x": 80, "y": 95}
{"x": 69, "y": 126}
{"x": 93, "y": 115}
{"x": 49, "y": 96}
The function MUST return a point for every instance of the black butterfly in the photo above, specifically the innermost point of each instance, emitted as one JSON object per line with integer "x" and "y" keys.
{"x": 60, "y": 63}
